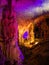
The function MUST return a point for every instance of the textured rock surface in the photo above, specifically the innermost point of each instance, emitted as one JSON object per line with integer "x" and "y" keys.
{"x": 37, "y": 55}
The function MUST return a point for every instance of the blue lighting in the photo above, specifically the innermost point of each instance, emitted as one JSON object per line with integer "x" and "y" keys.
{"x": 25, "y": 35}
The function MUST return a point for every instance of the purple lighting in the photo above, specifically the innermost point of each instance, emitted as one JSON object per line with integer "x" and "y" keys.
{"x": 25, "y": 35}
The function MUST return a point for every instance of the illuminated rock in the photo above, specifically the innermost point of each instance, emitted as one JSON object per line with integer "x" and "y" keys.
{"x": 26, "y": 32}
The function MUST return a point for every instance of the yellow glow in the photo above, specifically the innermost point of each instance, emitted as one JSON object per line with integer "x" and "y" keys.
{"x": 26, "y": 26}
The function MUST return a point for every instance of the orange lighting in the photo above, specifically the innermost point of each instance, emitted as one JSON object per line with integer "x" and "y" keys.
{"x": 26, "y": 25}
